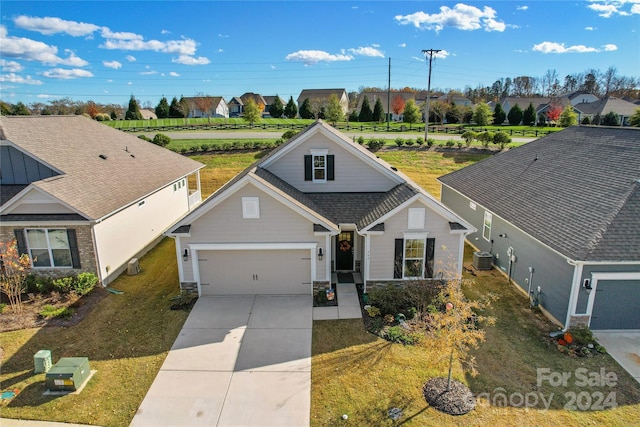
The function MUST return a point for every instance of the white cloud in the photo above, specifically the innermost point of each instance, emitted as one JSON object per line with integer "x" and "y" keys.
{"x": 14, "y": 78}
{"x": 33, "y": 50}
{"x": 609, "y": 47}
{"x": 174, "y": 74}
{"x": 64, "y": 74}
{"x": 311, "y": 57}
{"x": 108, "y": 34}
{"x": 442, "y": 54}
{"x": 522, "y": 8}
{"x": 165, "y": 32}
{"x": 112, "y": 64}
{"x": 461, "y": 17}
{"x": 50, "y": 25}
{"x": 553, "y": 47}
{"x": 608, "y": 8}
{"x": 402, "y": 45}
{"x": 180, "y": 47}
{"x": 130, "y": 58}
{"x": 220, "y": 50}
{"x": 590, "y": 28}
{"x": 367, "y": 51}
{"x": 191, "y": 60}
{"x": 223, "y": 36}
{"x": 635, "y": 9}
{"x": 10, "y": 66}
{"x": 148, "y": 73}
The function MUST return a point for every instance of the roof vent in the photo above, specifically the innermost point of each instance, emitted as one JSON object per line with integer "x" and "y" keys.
{"x": 103, "y": 156}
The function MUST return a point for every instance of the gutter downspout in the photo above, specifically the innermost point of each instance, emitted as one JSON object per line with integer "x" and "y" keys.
{"x": 577, "y": 273}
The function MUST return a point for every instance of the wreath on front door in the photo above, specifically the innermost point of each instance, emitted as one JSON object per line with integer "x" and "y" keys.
{"x": 345, "y": 245}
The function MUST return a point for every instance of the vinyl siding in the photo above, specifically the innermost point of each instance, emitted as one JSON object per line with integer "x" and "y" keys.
{"x": 20, "y": 169}
{"x": 382, "y": 246}
{"x": 352, "y": 174}
{"x": 277, "y": 224}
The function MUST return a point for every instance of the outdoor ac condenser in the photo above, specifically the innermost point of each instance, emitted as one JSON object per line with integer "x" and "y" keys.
{"x": 482, "y": 260}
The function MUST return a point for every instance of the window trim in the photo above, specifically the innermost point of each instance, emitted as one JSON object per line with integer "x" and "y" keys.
{"x": 319, "y": 153}
{"x": 422, "y": 237}
{"x": 251, "y": 207}
{"x": 487, "y": 225}
{"x": 48, "y": 248}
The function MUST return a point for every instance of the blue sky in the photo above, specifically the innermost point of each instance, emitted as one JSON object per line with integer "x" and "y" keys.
{"x": 107, "y": 51}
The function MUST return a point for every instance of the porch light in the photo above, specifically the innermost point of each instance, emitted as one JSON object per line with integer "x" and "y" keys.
{"x": 320, "y": 254}
{"x": 586, "y": 284}
{"x": 185, "y": 255}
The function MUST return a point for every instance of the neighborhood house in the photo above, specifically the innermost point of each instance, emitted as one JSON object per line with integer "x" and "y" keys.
{"x": 560, "y": 216}
{"x": 80, "y": 196}
{"x": 316, "y": 205}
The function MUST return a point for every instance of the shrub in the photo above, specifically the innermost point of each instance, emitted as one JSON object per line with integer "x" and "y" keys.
{"x": 469, "y": 136}
{"x": 375, "y": 144}
{"x": 39, "y": 284}
{"x": 399, "y": 142}
{"x": 390, "y": 300}
{"x": 289, "y": 134}
{"x": 485, "y": 138}
{"x": 183, "y": 150}
{"x": 586, "y": 120}
{"x": 419, "y": 141}
{"x": 361, "y": 140}
{"x": 205, "y": 147}
{"x": 2, "y": 307}
{"x": 399, "y": 335}
{"x": 49, "y": 311}
{"x": 373, "y": 311}
{"x": 451, "y": 143}
{"x": 144, "y": 138}
{"x": 582, "y": 336}
{"x": 84, "y": 283}
{"x": 161, "y": 140}
{"x": 63, "y": 285}
{"x": 409, "y": 142}
{"x": 501, "y": 139}
{"x": 460, "y": 144}
{"x": 430, "y": 142}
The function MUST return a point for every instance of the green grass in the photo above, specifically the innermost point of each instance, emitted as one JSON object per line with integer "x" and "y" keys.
{"x": 126, "y": 339}
{"x": 358, "y": 374}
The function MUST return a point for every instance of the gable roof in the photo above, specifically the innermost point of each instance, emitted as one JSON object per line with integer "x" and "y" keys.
{"x": 576, "y": 191}
{"x": 330, "y": 208}
{"x": 606, "y": 105}
{"x": 319, "y": 94}
{"x": 93, "y": 186}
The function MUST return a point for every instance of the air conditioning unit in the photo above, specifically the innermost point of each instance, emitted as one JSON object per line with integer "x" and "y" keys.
{"x": 482, "y": 260}
{"x": 133, "y": 267}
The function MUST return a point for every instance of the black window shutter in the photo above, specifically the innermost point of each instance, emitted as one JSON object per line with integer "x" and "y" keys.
{"x": 397, "y": 259}
{"x": 308, "y": 168}
{"x": 73, "y": 246}
{"x": 331, "y": 175}
{"x": 429, "y": 254}
{"x": 20, "y": 241}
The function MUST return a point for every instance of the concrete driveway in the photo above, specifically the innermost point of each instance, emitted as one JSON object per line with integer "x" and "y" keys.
{"x": 624, "y": 347}
{"x": 238, "y": 361}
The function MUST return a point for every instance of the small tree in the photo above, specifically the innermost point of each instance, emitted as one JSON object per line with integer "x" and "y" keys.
{"x": 515, "y": 115}
{"x": 553, "y": 113}
{"x": 366, "y": 115}
{"x": 251, "y": 112}
{"x": 276, "y": 109}
{"x": 20, "y": 109}
{"x": 635, "y": 118}
{"x": 568, "y": 117}
{"x": 454, "y": 114}
{"x": 586, "y": 120}
{"x": 499, "y": 116}
{"x": 306, "y": 112}
{"x": 397, "y": 105}
{"x": 133, "y": 112}
{"x": 204, "y": 103}
{"x": 175, "y": 109}
{"x": 291, "y": 110}
{"x": 501, "y": 139}
{"x": 610, "y": 119}
{"x": 529, "y": 116}
{"x": 92, "y": 109}
{"x": 334, "y": 112}
{"x": 14, "y": 269}
{"x": 161, "y": 139}
{"x": 485, "y": 138}
{"x": 162, "y": 109}
{"x": 378, "y": 111}
{"x": 469, "y": 136}
{"x": 482, "y": 115}
{"x": 411, "y": 113}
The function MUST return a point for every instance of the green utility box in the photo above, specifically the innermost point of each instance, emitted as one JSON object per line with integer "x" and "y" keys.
{"x": 68, "y": 374}
{"x": 42, "y": 361}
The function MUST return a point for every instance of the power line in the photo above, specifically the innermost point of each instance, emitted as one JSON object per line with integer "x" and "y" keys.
{"x": 430, "y": 53}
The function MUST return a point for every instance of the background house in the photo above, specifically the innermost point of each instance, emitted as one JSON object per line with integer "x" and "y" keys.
{"x": 81, "y": 196}
{"x": 561, "y": 214}
{"x": 314, "y": 207}
{"x": 373, "y": 96}
{"x": 218, "y": 107}
{"x": 622, "y": 108}
{"x": 320, "y": 98}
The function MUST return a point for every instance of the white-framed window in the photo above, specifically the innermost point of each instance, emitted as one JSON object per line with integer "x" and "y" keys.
{"x": 49, "y": 247}
{"x": 472, "y": 205}
{"x": 416, "y": 218}
{"x": 250, "y": 207}
{"x": 319, "y": 165}
{"x": 486, "y": 227}
{"x": 413, "y": 260}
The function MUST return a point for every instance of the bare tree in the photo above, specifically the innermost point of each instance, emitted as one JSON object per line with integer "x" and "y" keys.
{"x": 204, "y": 103}
{"x": 609, "y": 80}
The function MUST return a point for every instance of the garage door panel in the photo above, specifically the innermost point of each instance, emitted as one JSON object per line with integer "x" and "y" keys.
{"x": 241, "y": 272}
{"x": 616, "y": 305}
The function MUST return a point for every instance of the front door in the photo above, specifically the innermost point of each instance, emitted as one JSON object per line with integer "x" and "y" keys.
{"x": 344, "y": 251}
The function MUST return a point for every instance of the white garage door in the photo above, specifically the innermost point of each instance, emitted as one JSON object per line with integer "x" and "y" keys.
{"x": 241, "y": 272}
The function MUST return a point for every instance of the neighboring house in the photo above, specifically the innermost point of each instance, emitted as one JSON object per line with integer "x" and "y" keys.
{"x": 562, "y": 214}
{"x": 81, "y": 196}
{"x": 219, "y": 108}
{"x": 236, "y": 107}
{"x": 316, "y": 205}
{"x": 269, "y": 100}
{"x": 373, "y": 97}
{"x": 540, "y": 104}
{"x": 622, "y": 108}
{"x": 580, "y": 97}
{"x": 148, "y": 114}
{"x": 236, "y": 104}
{"x": 320, "y": 98}
{"x": 456, "y": 99}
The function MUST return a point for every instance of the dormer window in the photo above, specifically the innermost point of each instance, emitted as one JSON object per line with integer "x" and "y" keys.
{"x": 319, "y": 166}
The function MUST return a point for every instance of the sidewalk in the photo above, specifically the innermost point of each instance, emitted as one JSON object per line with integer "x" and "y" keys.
{"x": 348, "y": 305}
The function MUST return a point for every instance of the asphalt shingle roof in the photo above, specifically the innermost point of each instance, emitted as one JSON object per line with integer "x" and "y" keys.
{"x": 576, "y": 191}
{"x": 92, "y": 185}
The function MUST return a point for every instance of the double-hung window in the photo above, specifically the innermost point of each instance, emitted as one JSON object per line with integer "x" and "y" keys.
{"x": 413, "y": 257}
{"x": 49, "y": 247}
{"x": 486, "y": 229}
{"x": 319, "y": 166}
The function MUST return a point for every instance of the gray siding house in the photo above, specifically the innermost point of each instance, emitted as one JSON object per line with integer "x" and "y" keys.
{"x": 561, "y": 217}
{"x": 317, "y": 205}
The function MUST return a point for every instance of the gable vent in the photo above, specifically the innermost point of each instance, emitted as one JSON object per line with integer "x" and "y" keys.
{"x": 103, "y": 156}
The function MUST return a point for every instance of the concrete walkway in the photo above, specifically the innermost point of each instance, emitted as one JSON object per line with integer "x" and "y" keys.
{"x": 238, "y": 361}
{"x": 348, "y": 301}
{"x": 7, "y": 422}
{"x": 624, "y": 347}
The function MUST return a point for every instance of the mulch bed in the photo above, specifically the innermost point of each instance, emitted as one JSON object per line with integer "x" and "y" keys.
{"x": 457, "y": 401}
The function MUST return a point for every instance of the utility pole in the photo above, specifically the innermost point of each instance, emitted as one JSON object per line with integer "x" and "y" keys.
{"x": 430, "y": 53}
{"x": 388, "y": 96}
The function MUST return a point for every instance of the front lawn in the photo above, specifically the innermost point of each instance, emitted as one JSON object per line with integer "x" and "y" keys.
{"x": 126, "y": 338}
{"x": 360, "y": 375}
